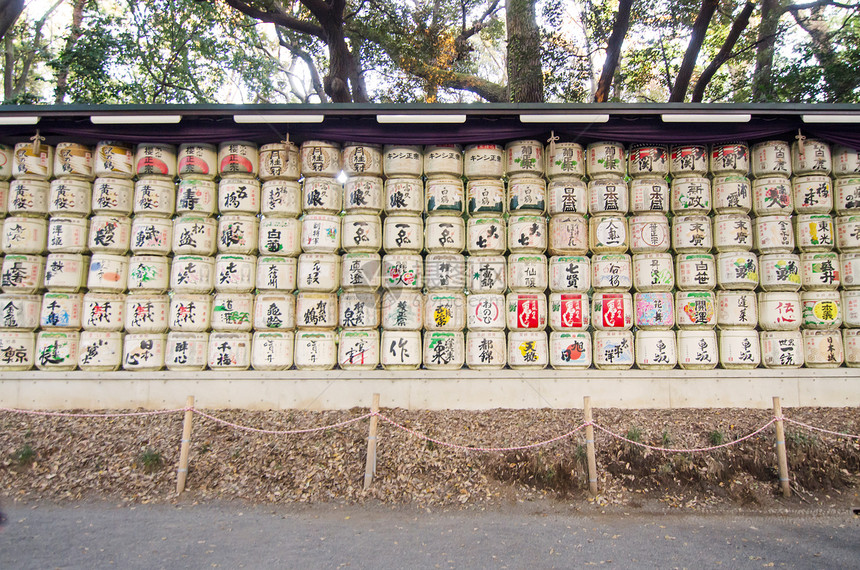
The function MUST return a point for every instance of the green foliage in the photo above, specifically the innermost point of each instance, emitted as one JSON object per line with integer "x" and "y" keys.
{"x": 715, "y": 437}
{"x": 24, "y": 455}
{"x": 634, "y": 434}
{"x": 150, "y": 460}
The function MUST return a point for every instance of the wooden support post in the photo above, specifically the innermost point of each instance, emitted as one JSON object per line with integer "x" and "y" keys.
{"x": 781, "y": 457}
{"x": 589, "y": 446}
{"x": 182, "y": 472}
{"x": 370, "y": 464}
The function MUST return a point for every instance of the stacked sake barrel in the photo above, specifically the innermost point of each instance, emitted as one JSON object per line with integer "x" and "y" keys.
{"x": 846, "y": 169}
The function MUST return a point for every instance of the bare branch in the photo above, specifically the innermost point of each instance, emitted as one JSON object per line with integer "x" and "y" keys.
{"x": 725, "y": 53}
{"x": 279, "y": 18}
{"x": 697, "y": 37}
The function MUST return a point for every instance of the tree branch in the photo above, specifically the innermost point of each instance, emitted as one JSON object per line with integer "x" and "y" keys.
{"x": 725, "y": 53}
{"x": 613, "y": 50}
{"x": 697, "y": 37}
{"x": 279, "y": 18}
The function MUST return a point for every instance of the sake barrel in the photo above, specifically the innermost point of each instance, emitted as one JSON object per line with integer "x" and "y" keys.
{"x": 819, "y": 271}
{"x": 144, "y": 351}
{"x": 846, "y": 161}
{"x": 568, "y": 235}
{"x": 400, "y": 349}
{"x": 608, "y": 234}
{"x": 17, "y": 350}
{"x": 188, "y": 351}
{"x": 772, "y": 196}
{"x": 567, "y": 195}
{"x": 484, "y": 161}
{"x": 444, "y": 350}
{"x": 611, "y": 272}
{"x": 569, "y": 273}
{"x": 109, "y": 234}
{"x": 564, "y": 159}
{"x": 402, "y": 160}
{"x": 692, "y": 234}
{"x": 272, "y": 350}
{"x": 20, "y": 312}
{"x": 847, "y": 196}
{"x": 276, "y": 273}
{"x": 316, "y": 310}
{"x": 362, "y": 233}
{"x": 739, "y": 348}
{"x": 147, "y": 313}
{"x": 770, "y": 158}
{"x": 526, "y": 311}
{"x": 780, "y": 272}
{"x": 363, "y": 195}
{"x": 113, "y": 159}
{"x": 238, "y": 233}
{"x": 810, "y": 156}
{"x": 281, "y": 198}
{"x": 197, "y": 160}
{"x": 848, "y": 233}
{"x": 57, "y": 351}
{"x": 195, "y": 196}
{"x": 154, "y": 197}
{"x": 695, "y": 309}
{"x": 613, "y": 350}
{"x": 774, "y": 234}
{"x": 403, "y": 233}
{"x": 485, "y": 311}
{"x": 737, "y": 270}
{"x": 239, "y": 195}
{"x": 33, "y": 160}
{"x": 61, "y": 311}
{"x": 280, "y": 236}
{"x": 442, "y": 234}
{"x": 815, "y": 232}
{"x": 229, "y": 351}
{"x": 528, "y": 350}
{"x": 486, "y": 236}
{"x": 487, "y": 273}
{"x": 850, "y": 270}
{"x": 318, "y": 272}
{"x": 73, "y": 160}
{"x": 850, "y": 340}
{"x": 737, "y": 309}
{"x": 402, "y": 310}
{"x": 649, "y": 233}
{"x": 22, "y": 273}
{"x": 100, "y": 351}
{"x": 697, "y": 349}
{"x": 486, "y": 196}
{"x": 279, "y": 161}
{"x": 321, "y": 194}
{"x": 108, "y": 273}
{"x": 5, "y": 162}
{"x": 445, "y": 196}
{"x": 359, "y": 310}
{"x": 486, "y": 350}
{"x": 821, "y": 309}
{"x": 443, "y": 160}
{"x": 151, "y": 235}
{"x": 733, "y": 232}
{"x": 445, "y": 310}
{"x": 362, "y": 159}
{"x": 103, "y": 312}
{"x": 609, "y": 195}
{"x": 358, "y": 349}
{"x": 445, "y": 271}
{"x": 605, "y": 159}
{"x": 653, "y": 272}
{"x": 235, "y": 273}
{"x": 232, "y": 312}
{"x": 320, "y": 158}
{"x": 315, "y": 350}
{"x": 69, "y": 197}
{"x": 526, "y": 272}
{"x": 526, "y": 195}
{"x": 148, "y": 274}
{"x": 823, "y": 348}
{"x": 113, "y": 196}
{"x": 192, "y": 274}
{"x": 612, "y": 311}
{"x": 569, "y": 311}
{"x": 654, "y": 311}
{"x": 4, "y": 195}
{"x": 524, "y": 157}
{"x": 320, "y": 233}
{"x": 779, "y": 311}
{"x": 730, "y": 158}
{"x": 28, "y": 198}
{"x": 402, "y": 271}
{"x": 688, "y": 159}
{"x": 648, "y": 160}
{"x": 195, "y": 235}
{"x": 655, "y": 350}
{"x": 360, "y": 272}
{"x": 24, "y": 235}
{"x": 404, "y": 196}
{"x": 781, "y": 349}
{"x": 813, "y": 194}
{"x": 570, "y": 349}
{"x": 732, "y": 194}
{"x": 155, "y": 159}
{"x": 238, "y": 158}
{"x": 851, "y": 308}
{"x": 66, "y": 235}
{"x": 190, "y": 312}
{"x": 691, "y": 195}
{"x": 649, "y": 195}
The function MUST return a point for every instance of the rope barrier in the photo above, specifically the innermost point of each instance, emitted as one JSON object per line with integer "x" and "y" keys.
{"x": 72, "y": 415}
{"x": 822, "y": 430}
{"x": 692, "y": 450}
{"x": 281, "y": 432}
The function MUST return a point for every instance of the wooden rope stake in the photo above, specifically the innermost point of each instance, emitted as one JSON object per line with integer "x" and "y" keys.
{"x": 589, "y": 446}
{"x": 182, "y": 472}
{"x": 550, "y": 152}
{"x": 781, "y": 457}
{"x": 37, "y": 142}
{"x": 370, "y": 463}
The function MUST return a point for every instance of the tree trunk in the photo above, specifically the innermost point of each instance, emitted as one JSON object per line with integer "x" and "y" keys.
{"x": 771, "y": 11}
{"x": 74, "y": 33}
{"x": 525, "y": 74}
{"x": 9, "y": 12}
{"x": 697, "y": 38}
{"x": 725, "y": 53}
{"x": 8, "y": 67}
{"x": 613, "y": 50}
